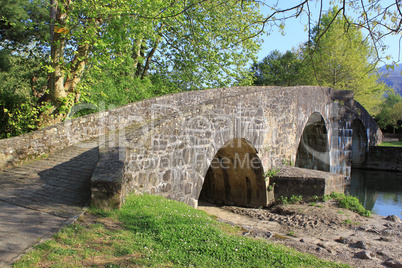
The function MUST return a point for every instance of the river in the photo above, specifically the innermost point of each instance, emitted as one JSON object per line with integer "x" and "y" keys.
{"x": 378, "y": 191}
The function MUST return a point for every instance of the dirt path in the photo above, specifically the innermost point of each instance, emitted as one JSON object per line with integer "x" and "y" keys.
{"x": 324, "y": 230}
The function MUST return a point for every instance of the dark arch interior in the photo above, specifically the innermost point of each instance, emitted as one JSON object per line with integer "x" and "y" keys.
{"x": 359, "y": 143}
{"x": 313, "y": 151}
{"x": 235, "y": 176}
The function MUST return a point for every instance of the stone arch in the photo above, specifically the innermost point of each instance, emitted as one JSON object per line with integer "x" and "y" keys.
{"x": 235, "y": 176}
{"x": 313, "y": 150}
{"x": 359, "y": 143}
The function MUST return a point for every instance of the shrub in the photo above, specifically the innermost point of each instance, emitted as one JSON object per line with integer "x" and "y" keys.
{"x": 349, "y": 202}
{"x": 296, "y": 199}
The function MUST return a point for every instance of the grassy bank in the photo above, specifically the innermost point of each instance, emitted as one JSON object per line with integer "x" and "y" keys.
{"x": 153, "y": 231}
{"x": 391, "y": 143}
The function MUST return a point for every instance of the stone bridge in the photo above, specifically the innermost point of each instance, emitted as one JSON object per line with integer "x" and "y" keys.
{"x": 212, "y": 143}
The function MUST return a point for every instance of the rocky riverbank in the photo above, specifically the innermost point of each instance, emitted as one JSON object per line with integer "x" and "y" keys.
{"x": 322, "y": 229}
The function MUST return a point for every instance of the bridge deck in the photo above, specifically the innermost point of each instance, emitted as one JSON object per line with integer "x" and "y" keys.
{"x": 39, "y": 197}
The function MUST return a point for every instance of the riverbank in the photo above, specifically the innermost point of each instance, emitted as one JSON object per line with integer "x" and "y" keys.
{"x": 323, "y": 229}
{"x": 151, "y": 231}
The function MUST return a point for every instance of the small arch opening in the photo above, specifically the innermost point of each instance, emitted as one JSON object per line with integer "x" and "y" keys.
{"x": 313, "y": 151}
{"x": 359, "y": 143}
{"x": 235, "y": 176}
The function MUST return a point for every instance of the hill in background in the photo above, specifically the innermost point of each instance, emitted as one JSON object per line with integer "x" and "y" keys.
{"x": 392, "y": 78}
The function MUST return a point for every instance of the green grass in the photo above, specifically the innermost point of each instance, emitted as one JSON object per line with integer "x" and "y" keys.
{"x": 155, "y": 232}
{"x": 292, "y": 200}
{"x": 349, "y": 202}
{"x": 391, "y": 143}
{"x": 347, "y": 221}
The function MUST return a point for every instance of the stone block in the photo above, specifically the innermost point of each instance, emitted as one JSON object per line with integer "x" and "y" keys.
{"x": 306, "y": 182}
{"x": 106, "y": 194}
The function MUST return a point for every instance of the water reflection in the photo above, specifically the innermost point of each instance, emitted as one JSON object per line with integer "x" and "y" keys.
{"x": 379, "y": 191}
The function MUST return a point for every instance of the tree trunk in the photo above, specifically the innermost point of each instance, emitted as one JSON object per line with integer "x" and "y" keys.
{"x": 136, "y": 54}
{"x": 149, "y": 57}
{"x": 58, "y": 15}
{"x": 77, "y": 69}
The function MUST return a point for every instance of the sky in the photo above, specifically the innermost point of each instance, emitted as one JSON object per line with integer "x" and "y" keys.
{"x": 295, "y": 35}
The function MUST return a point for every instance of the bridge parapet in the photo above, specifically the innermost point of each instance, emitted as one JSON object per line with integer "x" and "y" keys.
{"x": 16, "y": 150}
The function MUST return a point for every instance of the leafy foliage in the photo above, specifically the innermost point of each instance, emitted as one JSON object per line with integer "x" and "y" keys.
{"x": 378, "y": 18}
{"x": 294, "y": 199}
{"x": 22, "y": 85}
{"x": 191, "y": 44}
{"x": 110, "y": 54}
{"x": 271, "y": 172}
{"x": 341, "y": 58}
{"x": 23, "y": 22}
{"x": 391, "y": 112}
{"x": 349, "y": 202}
{"x": 338, "y": 56}
{"x": 109, "y": 89}
{"x": 279, "y": 69}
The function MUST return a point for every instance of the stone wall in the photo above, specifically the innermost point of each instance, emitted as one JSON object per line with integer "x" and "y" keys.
{"x": 393, "y": 136}
{"x": 384, "y": 158}
{"x": 14, "y": 151}
{"x": 374, "y": 133}
{"x": 307, "y": 183}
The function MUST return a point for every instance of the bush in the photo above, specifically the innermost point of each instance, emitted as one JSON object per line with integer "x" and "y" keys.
{"x": 292, "y": 200}
{"x": 18, "y": 114}
{"x": 22, "y": 81}
{"x": 350, "y": 202}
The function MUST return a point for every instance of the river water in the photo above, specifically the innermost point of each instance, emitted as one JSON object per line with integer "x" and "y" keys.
{"x": 378, "y": 191}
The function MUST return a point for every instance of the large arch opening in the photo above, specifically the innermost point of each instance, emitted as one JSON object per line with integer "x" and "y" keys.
{"x": 313, "y": 151}
{"x": 359, "y": 143}
{"x": 235, "y": 176}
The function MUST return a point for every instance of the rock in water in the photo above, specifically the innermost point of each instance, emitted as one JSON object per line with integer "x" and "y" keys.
{"x": 393, "y": 218}
{"x": 393, "y": 264}
{"x": 360, "y": 244}
{"x": 365, "y": 255}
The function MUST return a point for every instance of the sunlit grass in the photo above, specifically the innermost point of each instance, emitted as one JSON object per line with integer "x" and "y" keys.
{"x": 391, "y": 144}
{"x": 155, "y": 232}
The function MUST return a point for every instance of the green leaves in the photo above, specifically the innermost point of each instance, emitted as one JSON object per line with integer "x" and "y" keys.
{"x": 131, "y": 50}
{"x": 341, "y": 58}
{"x": 280, "y": 70}
{"x": 391, "y": 111}
{"x": 23, "y": 22}
{"x": 209, "y": 45}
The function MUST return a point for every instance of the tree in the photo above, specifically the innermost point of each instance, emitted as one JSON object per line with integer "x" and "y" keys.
{"x": 195, "y": 44}
{"x": 391, "y": 112}
{"x": 191, "y": 43}
{"x": 22, "y": 83}
{"x": 378, "y": 18}
{"x": 341, "y": 58}
{"x": 279, "y": 69}
{"x": 23, "y": 23}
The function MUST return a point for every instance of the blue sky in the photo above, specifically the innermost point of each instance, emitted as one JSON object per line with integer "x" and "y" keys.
{"x": 295, "y": 35}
